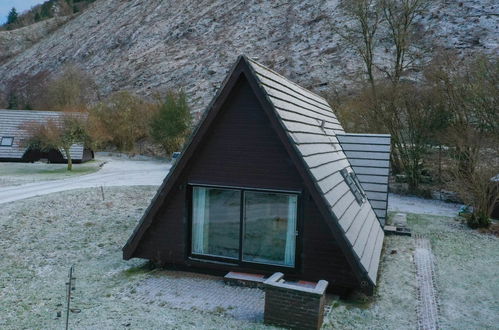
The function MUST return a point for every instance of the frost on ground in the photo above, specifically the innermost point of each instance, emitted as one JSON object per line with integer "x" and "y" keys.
{"x": 466, "y": 273}
{"x": 418, "y": 205}
{"x": 40, "y": 238}
{"x": 394, "y": 303}
{"x": 203, "y": 292}
{"x": 12, "y": 174}
{"x": 467, "y": 264}
{"x": 115, "y": 172}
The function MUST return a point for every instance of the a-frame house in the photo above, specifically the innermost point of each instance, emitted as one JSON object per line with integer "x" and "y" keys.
{"x": 264, "y": 185}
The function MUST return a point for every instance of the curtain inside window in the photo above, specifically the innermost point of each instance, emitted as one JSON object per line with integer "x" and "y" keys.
{"x": 199, "y": 223}
{"x": 289, "y": 252}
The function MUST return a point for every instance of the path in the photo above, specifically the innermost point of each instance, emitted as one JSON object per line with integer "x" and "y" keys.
{"x": 412, "y": 204}
{"x": 427, "y": 293}
{"x": 116, "y": 172}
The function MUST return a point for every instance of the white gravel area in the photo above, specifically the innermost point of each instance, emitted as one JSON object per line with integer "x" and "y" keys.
{"x": 115, "y": 172}
{"x": 418, "y": 205}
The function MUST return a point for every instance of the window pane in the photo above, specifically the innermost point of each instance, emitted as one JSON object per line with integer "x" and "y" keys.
{"x": 269, "y": 228}
{"x": 215, "y": 222}
{"x": 6, "y": 141}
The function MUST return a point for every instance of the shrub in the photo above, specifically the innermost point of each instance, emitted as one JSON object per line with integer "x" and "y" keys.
{"x": 171, "y": 124}
{"x": 121, "y": 120}
{"x": 73, "y": 89}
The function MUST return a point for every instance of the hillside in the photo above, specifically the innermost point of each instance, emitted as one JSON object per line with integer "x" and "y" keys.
{"x": 154, "y": 45}
{"x": 16, "y": 41}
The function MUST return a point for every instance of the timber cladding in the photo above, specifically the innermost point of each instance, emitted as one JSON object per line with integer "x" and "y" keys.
{"x": 263, "y": 132}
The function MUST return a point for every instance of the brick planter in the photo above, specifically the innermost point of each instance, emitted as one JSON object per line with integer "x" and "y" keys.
{"x": 294, "y": 305}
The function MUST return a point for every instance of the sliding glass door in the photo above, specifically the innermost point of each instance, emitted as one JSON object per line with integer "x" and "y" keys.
{"x": 269, "y": 228}
{"x": 215, "y": 222}
{"x": 247, "y": 225}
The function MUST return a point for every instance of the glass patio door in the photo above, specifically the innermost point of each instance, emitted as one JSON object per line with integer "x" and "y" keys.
{"x": 269, "y": 228}
{"x": 247, "y": 225}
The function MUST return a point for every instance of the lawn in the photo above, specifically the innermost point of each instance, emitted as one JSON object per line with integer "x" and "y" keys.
{"x": 19, "y": 173}
{"x": 41, "y": 237}
{"x": 467, "y": 283}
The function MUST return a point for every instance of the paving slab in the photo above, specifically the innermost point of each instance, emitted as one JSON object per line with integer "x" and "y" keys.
{"x": 190, "y": 291}
{"x": 424, "y": 260}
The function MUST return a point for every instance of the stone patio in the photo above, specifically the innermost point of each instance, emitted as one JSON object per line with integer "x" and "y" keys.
{"x": 190, "y": 291}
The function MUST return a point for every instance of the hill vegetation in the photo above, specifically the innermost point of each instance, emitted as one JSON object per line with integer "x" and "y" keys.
{"x": 46, "y": 10}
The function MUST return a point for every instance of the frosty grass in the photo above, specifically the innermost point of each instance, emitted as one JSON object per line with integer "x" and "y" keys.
{"x": 41, "y": 237}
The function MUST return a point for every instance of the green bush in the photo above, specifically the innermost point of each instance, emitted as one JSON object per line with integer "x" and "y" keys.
{"x": 171, "y": 125}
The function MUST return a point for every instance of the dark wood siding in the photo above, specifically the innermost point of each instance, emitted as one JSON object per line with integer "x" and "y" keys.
{"x": 241, "y": 149}
{"x": 321, "y": 255}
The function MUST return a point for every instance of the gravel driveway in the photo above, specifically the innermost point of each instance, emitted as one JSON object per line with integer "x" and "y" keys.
{"x": 115, "y": 172}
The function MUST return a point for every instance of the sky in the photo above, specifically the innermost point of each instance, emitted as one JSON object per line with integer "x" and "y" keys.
{"x": 20, "y": 5}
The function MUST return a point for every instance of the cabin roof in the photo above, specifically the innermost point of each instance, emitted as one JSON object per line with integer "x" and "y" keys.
{"x": 369, "y": 155}
{"x": 11, "y": 125}
{"x": 311, "y": 129}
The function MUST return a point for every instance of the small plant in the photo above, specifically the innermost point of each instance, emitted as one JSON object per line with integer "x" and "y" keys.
{"x": 144, "y": 268}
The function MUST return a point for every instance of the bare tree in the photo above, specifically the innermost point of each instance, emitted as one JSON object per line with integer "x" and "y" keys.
{"x": 27, "y": 92}
{"x": 469, "y": 93}
{"x": 403, "y": 34}
{"x": 72, "y": 90}
{"x": 361, "y": 31}
{"x": 57, "y": 134}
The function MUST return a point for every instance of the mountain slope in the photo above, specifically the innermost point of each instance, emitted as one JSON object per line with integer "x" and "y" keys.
{"x": 152, "y": 45}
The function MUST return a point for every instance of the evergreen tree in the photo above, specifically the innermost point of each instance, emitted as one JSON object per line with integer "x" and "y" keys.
{"x": 12, "y": 18}
{"x": 172, "y": 124}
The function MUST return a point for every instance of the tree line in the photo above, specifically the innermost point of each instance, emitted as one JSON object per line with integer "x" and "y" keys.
{"x": 426, "y": 98}
{"x": 47, "y": 9}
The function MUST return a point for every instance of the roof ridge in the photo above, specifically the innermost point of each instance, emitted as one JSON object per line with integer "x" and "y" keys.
{"x": 287, "y": 79}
